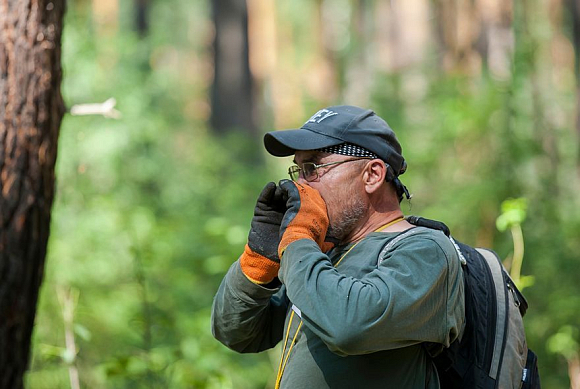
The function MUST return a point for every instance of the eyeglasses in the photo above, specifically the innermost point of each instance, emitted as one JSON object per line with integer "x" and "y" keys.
{"x": 310, "y": 169}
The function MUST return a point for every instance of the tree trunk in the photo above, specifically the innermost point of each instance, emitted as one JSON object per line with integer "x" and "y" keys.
{"x": 574, "y": 371}
{"x": 360, "y": 72}
{"x": 142, "y": 17}
{"x": 574, "y": 8}
{"x": 31, "y": 109}
{"x": 232, "y": 100}
{"x": 458, "y": 27}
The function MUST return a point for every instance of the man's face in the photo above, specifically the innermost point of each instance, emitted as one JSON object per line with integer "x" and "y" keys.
{"x": 342, "y": 189}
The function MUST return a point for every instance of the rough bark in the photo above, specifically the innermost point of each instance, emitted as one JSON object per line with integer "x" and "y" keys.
{"x": 232, "y": 100}
{"x": 31, "y": 109}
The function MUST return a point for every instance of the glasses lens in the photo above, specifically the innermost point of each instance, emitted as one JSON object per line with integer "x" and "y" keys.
{"x": 309, "y": 171}
{"x": 294, "y": 172}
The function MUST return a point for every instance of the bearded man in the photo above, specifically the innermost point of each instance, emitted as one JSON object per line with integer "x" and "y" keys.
{"x": 356, "y": 294}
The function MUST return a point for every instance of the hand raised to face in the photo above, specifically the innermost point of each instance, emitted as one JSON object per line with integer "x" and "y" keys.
{"x": 306, "y": 216}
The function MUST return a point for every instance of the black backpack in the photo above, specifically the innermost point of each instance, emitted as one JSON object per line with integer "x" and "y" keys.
{"x": 492, "y": 352}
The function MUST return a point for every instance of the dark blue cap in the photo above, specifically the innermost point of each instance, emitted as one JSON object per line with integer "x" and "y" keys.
{"x": 340, "y": 124}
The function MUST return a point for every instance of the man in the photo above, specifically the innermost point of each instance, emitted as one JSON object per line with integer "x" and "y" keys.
{"x": 365, "y": 312}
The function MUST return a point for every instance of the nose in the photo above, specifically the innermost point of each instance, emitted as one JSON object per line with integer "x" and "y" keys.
{"x": 301, "y": 180}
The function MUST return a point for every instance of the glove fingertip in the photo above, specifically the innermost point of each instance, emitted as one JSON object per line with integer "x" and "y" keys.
{"x": 286, "y": 183}
{"x": 279, "y": 198}
{"x": 267, "y": 192}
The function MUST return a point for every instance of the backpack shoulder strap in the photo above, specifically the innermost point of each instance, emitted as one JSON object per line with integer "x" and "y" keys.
{"x": 501, "y": 312}
{"x": 389, "y": 245}
{"x": 512, "y": 368}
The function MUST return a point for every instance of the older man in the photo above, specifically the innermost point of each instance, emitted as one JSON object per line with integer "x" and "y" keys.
{"x": 356, "y": 294}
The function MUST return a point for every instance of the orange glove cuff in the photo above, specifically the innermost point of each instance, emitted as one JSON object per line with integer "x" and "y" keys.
{"x": 257, "y": 268}
{"x": 311, "y": 222}
{"x": 326, "y": 246}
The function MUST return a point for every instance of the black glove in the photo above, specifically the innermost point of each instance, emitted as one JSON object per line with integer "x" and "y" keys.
{"x": 264, "y": 236}
{"x": 260, "y": 262}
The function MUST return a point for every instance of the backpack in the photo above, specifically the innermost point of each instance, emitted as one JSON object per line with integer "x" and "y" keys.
{"x": 491, "y": 352}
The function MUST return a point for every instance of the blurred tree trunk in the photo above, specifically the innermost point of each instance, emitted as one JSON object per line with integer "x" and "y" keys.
{"x": 458, "y": 27}
{"x": 574, "y": 7}
{"x": 232, "y": 98}
{"x": 495, "y": 43}
{"x": 142, "y": 17}
{"x": 360, "y": 69}
{"x": 31, "y": 109}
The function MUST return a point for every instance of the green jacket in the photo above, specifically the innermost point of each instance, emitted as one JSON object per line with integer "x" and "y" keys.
{"x": 362, "y": 323}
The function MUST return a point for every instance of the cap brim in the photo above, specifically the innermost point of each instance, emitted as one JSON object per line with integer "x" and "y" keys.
{"x": 286, "y": 142}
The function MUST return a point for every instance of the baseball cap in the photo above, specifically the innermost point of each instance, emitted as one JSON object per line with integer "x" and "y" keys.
{"x": 337, "y": 125}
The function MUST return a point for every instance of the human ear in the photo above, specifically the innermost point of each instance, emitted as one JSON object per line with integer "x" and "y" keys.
{"x": 374, "y": 175}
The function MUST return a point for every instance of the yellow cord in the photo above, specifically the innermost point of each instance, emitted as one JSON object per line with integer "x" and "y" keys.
{"x": 283, "y": 367}
{"x": 284, "y": 349}
{"x": 284, "y": 361}
{"x": 377, "y": 230}
{"x": 345, "y": 254}
{"x": 390, "y": 224}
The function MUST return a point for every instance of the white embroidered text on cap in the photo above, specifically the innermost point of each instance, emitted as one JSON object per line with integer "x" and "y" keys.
{"x": 321, "y": 115}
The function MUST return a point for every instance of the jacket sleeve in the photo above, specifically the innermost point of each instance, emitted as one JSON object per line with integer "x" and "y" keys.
{"x": 415, "y": 295}
{"x": 247, "y": 317}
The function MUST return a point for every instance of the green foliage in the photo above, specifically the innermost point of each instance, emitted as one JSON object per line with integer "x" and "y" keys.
{"x": 565, "y": 342}
{"x": 512, "y": 216}
{"x": 513, "y": 213}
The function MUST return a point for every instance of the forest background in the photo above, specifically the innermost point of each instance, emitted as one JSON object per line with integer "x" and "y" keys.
{"x": 152, "y": 208}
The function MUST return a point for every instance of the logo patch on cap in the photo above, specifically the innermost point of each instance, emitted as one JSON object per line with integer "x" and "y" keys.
{"x": 321, "y": 115}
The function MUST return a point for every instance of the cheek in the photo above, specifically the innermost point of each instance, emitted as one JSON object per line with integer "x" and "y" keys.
{"x": 335, "y": 202}
{"x": 327, "y": 195}
{"x": 339, "y": 196}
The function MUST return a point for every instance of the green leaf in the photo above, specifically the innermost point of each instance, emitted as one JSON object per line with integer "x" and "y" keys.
{"x": 564, "y": 342}
{"x": 525, "y": 281}
{"x": 82, "y": 332}
{"x": 513, "y": 213}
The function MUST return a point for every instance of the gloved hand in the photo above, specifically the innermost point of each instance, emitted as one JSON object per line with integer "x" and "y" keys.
{"x": 260, "y": 261}
{"x": 305, "y": 218}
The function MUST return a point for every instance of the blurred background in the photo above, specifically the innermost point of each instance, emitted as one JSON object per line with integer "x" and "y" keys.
{"x": 153, "y": 207}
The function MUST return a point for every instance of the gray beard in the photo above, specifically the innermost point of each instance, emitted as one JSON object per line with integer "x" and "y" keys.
{"x": 347, "y": 220}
